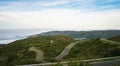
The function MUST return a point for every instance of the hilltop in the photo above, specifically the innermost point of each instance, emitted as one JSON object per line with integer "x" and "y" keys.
{"x": 85, "y": 34}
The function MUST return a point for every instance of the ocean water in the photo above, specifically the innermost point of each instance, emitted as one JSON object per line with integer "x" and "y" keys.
{"x": 8, "y": 36}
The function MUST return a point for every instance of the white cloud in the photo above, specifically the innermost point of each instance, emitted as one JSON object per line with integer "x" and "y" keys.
{"x": 64, "y": 19}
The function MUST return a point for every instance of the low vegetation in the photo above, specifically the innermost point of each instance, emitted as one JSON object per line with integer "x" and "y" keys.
{"x": 93, "y": 48}
{"x": 17, "y": 53}
{"x": 85, "y": 34}
{"x": 115, "y": 38}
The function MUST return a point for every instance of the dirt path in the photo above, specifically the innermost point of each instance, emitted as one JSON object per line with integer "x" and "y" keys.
{"x": 66, "y": 50}
{"x": 39, "y": 53}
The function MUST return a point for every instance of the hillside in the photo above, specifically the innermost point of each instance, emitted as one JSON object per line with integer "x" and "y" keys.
{"x": 1, "y": 45}
{"x": 85, "y": 34}
{"x": 93, "y": 48}
{"x": 18, "y": 53}
{"x": 114, "y": 38}
{"x": 41, "y": 49}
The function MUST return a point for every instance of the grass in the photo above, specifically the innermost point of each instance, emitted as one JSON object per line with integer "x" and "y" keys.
{"x": 115, "y": 38}
{"x": 18, "y": 53}
{"x": 18, "y": 50}
{"x": 93, "y": 48}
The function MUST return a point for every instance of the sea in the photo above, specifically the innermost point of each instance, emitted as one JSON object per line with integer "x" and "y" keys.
{"x": 11, "y": 35}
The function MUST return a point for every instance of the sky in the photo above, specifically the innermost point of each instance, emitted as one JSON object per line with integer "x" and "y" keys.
{"x": 60, "y": 14}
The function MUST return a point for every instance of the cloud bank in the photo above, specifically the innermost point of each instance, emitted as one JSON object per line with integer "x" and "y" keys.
{"x": 60, "y": 14}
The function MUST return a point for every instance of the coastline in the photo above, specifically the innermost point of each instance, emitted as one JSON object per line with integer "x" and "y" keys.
{"x": 9, "y": 41}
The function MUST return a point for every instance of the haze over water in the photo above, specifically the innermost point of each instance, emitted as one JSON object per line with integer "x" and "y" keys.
{"x": 7, "y": 36}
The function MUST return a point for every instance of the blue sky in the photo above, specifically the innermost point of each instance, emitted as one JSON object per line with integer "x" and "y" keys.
{"x": 70, "y": 4}
{"x": 60, "y": 14}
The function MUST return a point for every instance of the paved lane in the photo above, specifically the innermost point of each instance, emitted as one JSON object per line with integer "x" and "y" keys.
{"x": 66, "y": 50}
{"x": 39, "y": 53}
{"x": 107, "y": 63}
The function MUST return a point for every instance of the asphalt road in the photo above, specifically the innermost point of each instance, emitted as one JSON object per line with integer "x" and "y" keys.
{"x": 66, "y": 50}
{"x": 39, "y": 53}
{"x": 107, "y": 63}
{"x": 94, "y": 63}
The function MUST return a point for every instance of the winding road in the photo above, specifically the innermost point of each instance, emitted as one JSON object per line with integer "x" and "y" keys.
{"x": 39, "y": 53}
{"x": 39, "y": 57}
{"x": 66, "y": 50}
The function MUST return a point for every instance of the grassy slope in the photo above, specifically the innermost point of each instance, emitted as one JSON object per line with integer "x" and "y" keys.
{"x": 94, "y": 48}
{"x": 1, "y": 45}
{"x": 17, "y": 52}
{"x": 115, "y": 38}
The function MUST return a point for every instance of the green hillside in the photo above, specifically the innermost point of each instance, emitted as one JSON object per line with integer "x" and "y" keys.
{"x": 114, "y": 38}
{"x": 1, "y": 45}
{"x": 17, "y": 52}
{"x": 85, "y": 34}
{"x": 25, "y": 51}
{"x": 93, "y": 48}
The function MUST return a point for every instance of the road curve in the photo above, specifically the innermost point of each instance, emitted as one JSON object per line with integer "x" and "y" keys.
{"x": 66, "y": 50}
{"x": 39, "y": 53}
